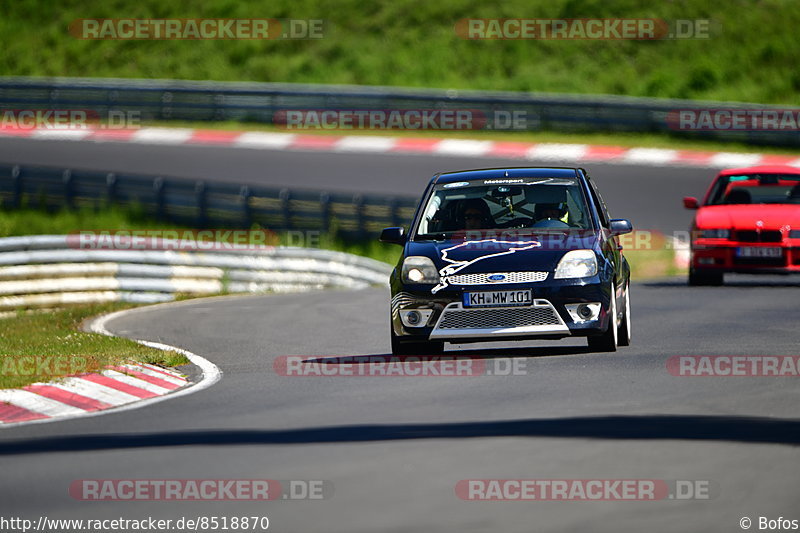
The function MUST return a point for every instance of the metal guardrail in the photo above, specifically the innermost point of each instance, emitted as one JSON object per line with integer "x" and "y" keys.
{"x": 47, "y": 271}
{"x": 259, "y": 102}
{"x": 201, "y": 204}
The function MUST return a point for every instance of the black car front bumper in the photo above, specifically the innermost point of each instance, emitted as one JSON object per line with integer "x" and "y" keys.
{"x": 548, "y": 317}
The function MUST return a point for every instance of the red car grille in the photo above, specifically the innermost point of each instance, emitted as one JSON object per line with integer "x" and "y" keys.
{"x": 755, "y": 236}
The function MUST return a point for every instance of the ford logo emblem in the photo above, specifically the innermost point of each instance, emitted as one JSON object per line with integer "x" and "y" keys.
{"x": 496, "y": 277}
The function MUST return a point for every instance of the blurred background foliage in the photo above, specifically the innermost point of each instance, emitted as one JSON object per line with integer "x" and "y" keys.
{"x": 750, "y": 56}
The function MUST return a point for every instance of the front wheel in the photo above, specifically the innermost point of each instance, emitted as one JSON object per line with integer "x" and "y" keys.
{"x": 415, "y": 348}
{"x": 607, "y": 342}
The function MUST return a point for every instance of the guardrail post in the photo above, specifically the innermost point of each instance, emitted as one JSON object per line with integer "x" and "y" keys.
{"x": 394, "y": 212}
{"x": 16, "y": 179}
{"x": 247, "y": 212}
{"x": 158, "y": 190}
{"x": 325, "y": 210}
{"x": 111, "y": 188}
{"x": 166, "y": 105}
{"x": 361, "y": 222}
{"x": 201, "y": 201}
{"x": 66, "y": 177}
{"x": 285, "y": 197}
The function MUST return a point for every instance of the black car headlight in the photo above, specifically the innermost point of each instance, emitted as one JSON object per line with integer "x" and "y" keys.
{"x": 577, "y": 264}
{"x": 419, "y": 269}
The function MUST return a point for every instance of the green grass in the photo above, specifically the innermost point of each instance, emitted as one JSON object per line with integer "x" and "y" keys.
{"x": 40, "y": 346}
{"x": 750, "y": 56}
{"x": 652, "y": 264}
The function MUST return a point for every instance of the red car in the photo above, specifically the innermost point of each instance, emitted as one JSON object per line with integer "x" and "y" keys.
{"x": 749, "y": 222}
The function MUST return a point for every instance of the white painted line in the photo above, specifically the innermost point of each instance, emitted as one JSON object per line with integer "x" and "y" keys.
{"x": 557, "y": 151}
{"x": 364, "y": 143}
{"x": 37, "y": 403}
{"x": 160, "y": 369}
{"x": 153, "y": 373}
{"x": 135, "y": 382}
{"x": 653, "y": 156}
{"x": 162, "y": 135}
{"x": 463, "y": 147}
{"x": 95, "y": 391}
{"x": 731, "y": 159}
{"x": 255, "y": 139}
{"x": 60, "y": 134}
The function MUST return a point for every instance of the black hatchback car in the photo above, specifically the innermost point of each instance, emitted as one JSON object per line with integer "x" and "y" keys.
{"x": 510, "y": 254}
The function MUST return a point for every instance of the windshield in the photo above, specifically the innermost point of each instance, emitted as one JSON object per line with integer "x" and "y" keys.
{"x": 756, "y": 189}
{"x": 538, "y": 204}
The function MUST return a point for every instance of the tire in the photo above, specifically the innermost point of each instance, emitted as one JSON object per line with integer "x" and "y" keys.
{"x": 699, "y": 278}
{"x": 607, "y": 342}
{"x": 416, "y": 348}
{"x": 624, "y": 335}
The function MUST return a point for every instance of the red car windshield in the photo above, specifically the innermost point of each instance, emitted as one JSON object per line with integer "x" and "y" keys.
{"x": 756, "y": 189}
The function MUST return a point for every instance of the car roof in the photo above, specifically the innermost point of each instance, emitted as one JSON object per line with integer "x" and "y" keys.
{"x": 510, "y": 172}
{"x": 762, "y": 169}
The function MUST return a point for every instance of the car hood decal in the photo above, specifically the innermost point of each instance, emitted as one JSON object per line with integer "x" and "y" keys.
{"x": 461, "y": 256}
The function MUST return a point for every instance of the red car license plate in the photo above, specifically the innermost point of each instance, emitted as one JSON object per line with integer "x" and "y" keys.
{"x": 759, "y": 251}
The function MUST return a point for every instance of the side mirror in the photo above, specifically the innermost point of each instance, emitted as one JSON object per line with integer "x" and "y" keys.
{"x": 690, "y": 202}
{"x": 393, "y": 235}
{"x": 620, "y": 226}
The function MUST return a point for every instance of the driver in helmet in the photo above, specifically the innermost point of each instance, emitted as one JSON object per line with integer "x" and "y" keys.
{"x": 550, "y": 211}
{"x": 474, "y": 213}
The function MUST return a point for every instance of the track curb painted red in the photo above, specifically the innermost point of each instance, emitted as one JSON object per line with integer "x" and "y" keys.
{"x": 565, "y": 152}
{"x": 117, "y": 388}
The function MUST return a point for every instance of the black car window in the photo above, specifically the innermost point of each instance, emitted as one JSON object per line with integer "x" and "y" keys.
{"x": 532, "y": 203}
{"x": 756, "y": 189}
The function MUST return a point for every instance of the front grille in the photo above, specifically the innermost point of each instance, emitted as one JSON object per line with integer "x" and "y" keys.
{"x": 499, "y": 318}
{"x": 482, "y": 278}
{"x": 755, "y": 236}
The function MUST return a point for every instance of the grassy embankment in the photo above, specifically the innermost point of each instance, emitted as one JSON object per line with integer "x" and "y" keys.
{"x": 750, "y": 53}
